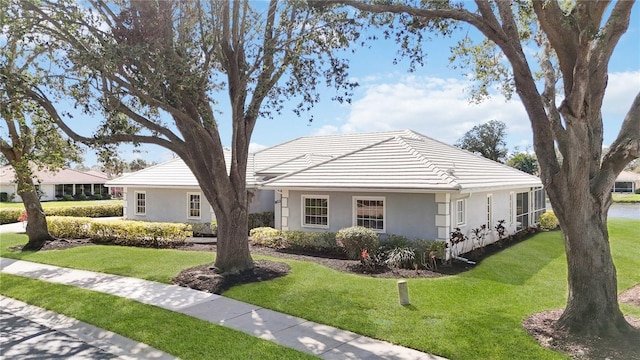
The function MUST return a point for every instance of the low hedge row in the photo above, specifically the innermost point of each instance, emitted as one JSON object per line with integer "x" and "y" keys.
{"x": 120, "y": 232}
{"x": 392, "y": 250}
{"x": 108, "y": 210}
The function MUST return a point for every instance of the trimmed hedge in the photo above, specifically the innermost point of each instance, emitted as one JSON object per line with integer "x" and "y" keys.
{"x": 263, "y": 219}
{"x": 315, "y": 242}
{"x": 8, "y": 216}
{"x": 548, "y": 221}
{"x": 11, "y": 215}
{"x": 120, "y": 232}
{"x": 266, "y": 236}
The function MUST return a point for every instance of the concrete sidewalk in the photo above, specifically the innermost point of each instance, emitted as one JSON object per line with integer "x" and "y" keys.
{"x": 29, "y": 332}
{"x": 321, "y": 340}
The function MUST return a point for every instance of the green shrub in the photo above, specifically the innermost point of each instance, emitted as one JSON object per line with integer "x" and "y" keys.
{"x": 80, "y": 196}
{"x": 263, "y": 219}
{"x": 355, "y": 239}
{"x": 140, "y": 233}
{"x": 9, "y": 215}
{"x": 316, "y": 242}
{"x": 208, "y": 229}
{"x": 96, "y": 197}
{"x": 107, "y": 210}
{"x": 266, "y": 236}
{"x": 67, "y": 197}
{"x": 67, "y": 227}
{"x": 548, "y": 221}
{"x": 392, "y": 241}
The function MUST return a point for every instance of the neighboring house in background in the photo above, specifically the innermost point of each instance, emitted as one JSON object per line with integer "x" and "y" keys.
{"x": 627, "y": 182}
{"x": 396, "y": 182}
{"x": 53, "y": 185}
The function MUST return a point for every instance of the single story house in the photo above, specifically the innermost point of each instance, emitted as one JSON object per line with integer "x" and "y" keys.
{"x": 53, "y": 185}
{"x": 395, "y": 182}
{"x": 627, "y": 182}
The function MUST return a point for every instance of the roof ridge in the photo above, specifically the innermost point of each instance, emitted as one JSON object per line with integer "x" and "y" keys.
{"x": 329, "y": 160}
{"x": 413, "y": 151}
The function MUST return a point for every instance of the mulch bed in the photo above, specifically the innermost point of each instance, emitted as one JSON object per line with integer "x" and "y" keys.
{"x": 541, "y": 326}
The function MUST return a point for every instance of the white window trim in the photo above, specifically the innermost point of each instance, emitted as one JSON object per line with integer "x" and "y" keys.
{"x": 302, "y": 209}
{"x": 354, "y": 215}
{"x": 511, "y": 207}
{"x": 135, "y": 203}
{"x": 464, "y": 211}
{"x": 189, "y": 205}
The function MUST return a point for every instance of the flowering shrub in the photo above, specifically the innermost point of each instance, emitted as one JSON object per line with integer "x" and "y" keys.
{"x": 24, "y": 216}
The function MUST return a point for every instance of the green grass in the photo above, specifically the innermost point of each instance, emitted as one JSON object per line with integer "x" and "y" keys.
{"x": 475, "y": 315}
{"x": 630, "y": 198}
{"x": 51, "y": 204}
{"x": 180, "y": 335}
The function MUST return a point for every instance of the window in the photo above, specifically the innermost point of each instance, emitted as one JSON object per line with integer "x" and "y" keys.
{"x": 59, "y": 190}
{"x": 522, "y": 210}
{"x": 141, "y": 202}
{"x": 461, "y": 216}
{"x": 489, "y": 211}
{"x": 315, "y": 211}
{"x": 369, "y": 212}
{"x": 539, "y": 204}
{"x": 193, "y": 199}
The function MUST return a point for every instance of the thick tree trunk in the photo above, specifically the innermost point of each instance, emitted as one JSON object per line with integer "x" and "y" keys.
{"x": 37, "y": 229}
{"x": 592, "y": 307}
{"x": 233, "y": 254}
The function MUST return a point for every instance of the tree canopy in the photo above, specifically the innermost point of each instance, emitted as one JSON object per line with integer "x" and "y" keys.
{"x": 488, "y": 140}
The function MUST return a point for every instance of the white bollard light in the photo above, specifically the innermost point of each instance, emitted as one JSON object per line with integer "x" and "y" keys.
{"x": 403, "y": 292}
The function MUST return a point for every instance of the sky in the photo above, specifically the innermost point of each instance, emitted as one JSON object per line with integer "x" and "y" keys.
{"x": 432, "y": 100}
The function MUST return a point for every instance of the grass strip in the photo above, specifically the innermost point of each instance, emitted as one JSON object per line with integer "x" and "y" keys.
{"x": 177, "y": 334}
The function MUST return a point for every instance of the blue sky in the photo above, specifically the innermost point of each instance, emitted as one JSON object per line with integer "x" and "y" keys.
{"x": 433, "y": 100}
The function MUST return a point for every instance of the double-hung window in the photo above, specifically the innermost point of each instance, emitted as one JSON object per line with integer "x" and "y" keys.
{"x": 141, "y": 202}
{"x": 195, "y": 205}
{"x": 461, "y": 211}
{"x": 369, "y": 212}
{"x": 315, "y": 211}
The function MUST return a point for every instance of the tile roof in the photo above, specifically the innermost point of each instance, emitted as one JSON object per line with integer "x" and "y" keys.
{"x": 392, "y": 160}
{"x": 628, "y": 176}
{"x": 62, "y": 176}
{"x": 401, "y": 163}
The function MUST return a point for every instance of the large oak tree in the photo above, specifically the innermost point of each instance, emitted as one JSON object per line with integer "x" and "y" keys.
{"x": 160, "y": 70}
{"x": 576, "y": 40}
{"x": 29, "y": 139}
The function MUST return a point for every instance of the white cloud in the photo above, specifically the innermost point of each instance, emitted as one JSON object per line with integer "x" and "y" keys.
{"x": 433, "y": 106}
{"x": 621, "y": 90}
{"x": 255, "y": 147}
{"x": 326, "y": 130}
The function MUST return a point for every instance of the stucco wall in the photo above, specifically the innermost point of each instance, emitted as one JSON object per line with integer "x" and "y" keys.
{"x": 411, "y": 215}
{"x": 166, "y": 205}
{"x": 262, "y": 201}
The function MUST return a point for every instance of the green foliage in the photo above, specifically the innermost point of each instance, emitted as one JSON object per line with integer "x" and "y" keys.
{"x": 548, "y": 221}
{"x": 314, "y": 242}
{"x": 67, "y": 197}
{"x": 266, "y": 236}
{"x": 209, "y": 229}
{"x": 93, "y": 211}
{"x": 8, "y": 216}
{"x": 263, "y": 219}
{"x": 524, "y": 162}
{"x": 140, "y": 233}
{"x": 68, "y": 227}
{"x": 488, "y": 140}
{"x": 355, "y": 239}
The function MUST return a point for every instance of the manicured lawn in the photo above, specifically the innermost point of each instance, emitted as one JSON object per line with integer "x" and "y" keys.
{"x": 180, "y": 335}
{"x": 475, "y": 315}
{"x": 50, "y": 204}
{"x": 626, "y": 198}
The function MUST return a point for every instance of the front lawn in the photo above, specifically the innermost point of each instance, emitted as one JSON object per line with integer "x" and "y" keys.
{"x": 626, "y": 198}
{"x": 474, "y": 315}
{"x": 52, "y": 204}
{"x": 180, "y": 335}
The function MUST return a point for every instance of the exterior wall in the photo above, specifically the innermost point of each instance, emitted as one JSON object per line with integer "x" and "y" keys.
{"x": 48, "y": 189}
{"x": 166, "y": 205}
{"x": 477, "y": 209}
{"x": 410, "y": 215}
{"x": 262, "y": 201}
{"x": 10, "y": 189}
